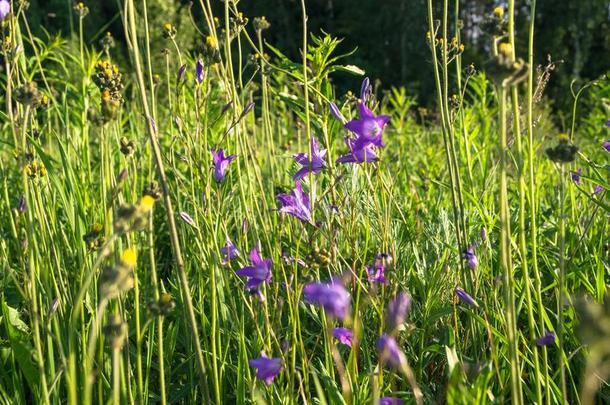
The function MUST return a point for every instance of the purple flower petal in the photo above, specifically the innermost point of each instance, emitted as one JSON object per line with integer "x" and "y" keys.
{"x": 296, "y": 203}
{"x": 606, "y": 145}
{"x": 229, "y": 251}
{"x": 259, "y": 272}
{"x": 470, "y": 257}
{"x": 333, "y": 297}
{"x": 221, "y": 163}
{"x": 317, "y": 161}
{"x": 465, "y": 297}
{"x": 199, "y": 73}
{"x": 365, "y": 88}
{"x": 335, "y": 112}
{"x": 397, "y": 310}
{"x": 390, "y": 353}
{"x": 266, "y": 369}
{"x": 547, "y": 339}
{"x": 576, "y": 176}
{"x": 181, "y": 73}
{"x": 187, "y": 218}
{"x": 5, "y": 9}
{"x": 390, "y": 401}
{"x": 343, "y": 335}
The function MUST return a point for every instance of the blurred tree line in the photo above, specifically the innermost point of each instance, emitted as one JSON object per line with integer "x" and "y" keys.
{"x": 389, "y": 34}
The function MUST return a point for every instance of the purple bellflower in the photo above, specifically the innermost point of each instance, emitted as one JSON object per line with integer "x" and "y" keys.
{"x": 229, "y": 251}
{"x": 576, "y": 176}
{"x": 470, "y": 257}
{"x": 5, "y": 9}
{"x": 376, "y": 273}
{"x": 390, "y": 401}
{"x": 365, "y": 89}
{"x": 359, "y": 152}
{"x": 336, "y": 112}
{"x": 296, "y": 203}
{"x": 368, "y": 127}
{"x": 333, "y": 297}
{"x": 317, "y": 160}
{"x": 199, "y": 71}
{"x": 181, "y": 73}
{"x": 258, "y": 273}
{"x": 606, "y": 146}
{"x": 598, "y": 189}
{"x": 389, "y": 352}
{"x": 266, "y": 369}
{"x": 547, "y": 339}
{"x": 397, "y": 310}
{"x": 465, "y": 297}
{"x": 221, "y": 163}
{"x": 343, "y": 335}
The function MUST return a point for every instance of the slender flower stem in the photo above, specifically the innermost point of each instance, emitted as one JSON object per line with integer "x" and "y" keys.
{"x": 561, "y": 284}
{"x": 131, "y": 28}
{"x": 505, "y": 257}
{"x": 533, "y": 237}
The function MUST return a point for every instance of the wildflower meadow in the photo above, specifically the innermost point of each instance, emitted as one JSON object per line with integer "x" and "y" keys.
{"x": 217, "y": 221}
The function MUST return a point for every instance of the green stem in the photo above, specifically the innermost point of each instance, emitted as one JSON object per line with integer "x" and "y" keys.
{"x": 505, "y": 257}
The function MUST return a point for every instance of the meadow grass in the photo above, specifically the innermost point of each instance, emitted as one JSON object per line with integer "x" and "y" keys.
{"x": 473, "y": 221}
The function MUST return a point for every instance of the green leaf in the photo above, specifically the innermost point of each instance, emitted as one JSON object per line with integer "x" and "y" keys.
{"x": 353, "y": 69}
{"x": 20, "y": 345}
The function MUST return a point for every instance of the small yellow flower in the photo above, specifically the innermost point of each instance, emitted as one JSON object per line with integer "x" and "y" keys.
{"x": 167, "y": 26}
{"x": 506, "y": 49}
{"x": 211, "y": 41}
{"x": 499, "y": 12}
{"x": 129, "y": 257}
{"x": 563, "y": 136}
{"x": 146, "y": 203}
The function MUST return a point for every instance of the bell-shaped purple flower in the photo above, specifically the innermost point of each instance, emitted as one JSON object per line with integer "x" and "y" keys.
{"x": 296, "y": 203}
{"x": 343, "y": 335}
{"x": 597, "y": 189}
{"x": 606, "y": 146}
{"x": 181, "y": 73}
{"x": 333, "y": 297}
{"x": 397, "y": 310}
{"x": 317, "y": 160}
{"x": 389, "y": 352}
{"x": 336, "y": 112}
{"x": 547, "y": 339}
{"x": 5, "y": 9}
{"x": 465, "y": 297}
{"x": 470, "y": 257}
{"x": 229, "y": 251}
{"x": 266, "y": 369}
{"x": 368, "y": 127}
{"x": 390, "y": 401}
{"x": 576, "y": 176}
{"x": 199, "y": 72}
{"x": 376, "y": 273}
{"x": 360, "y": 152}
{"x": 258, "y": 273}
{"x": 221, "y": 163}
{"x": 365, "y": 89}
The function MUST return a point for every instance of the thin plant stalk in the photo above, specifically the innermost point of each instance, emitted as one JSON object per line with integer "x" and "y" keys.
{"x": 505, "y": 256}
